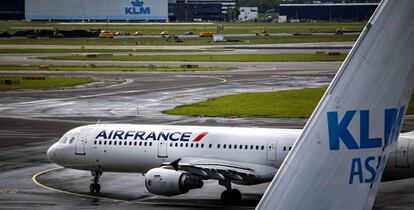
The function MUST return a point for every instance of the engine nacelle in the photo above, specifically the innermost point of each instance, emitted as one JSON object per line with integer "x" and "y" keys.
{"x": 161, "y": 181}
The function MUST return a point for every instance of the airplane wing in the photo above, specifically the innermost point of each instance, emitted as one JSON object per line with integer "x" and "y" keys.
{"x": 338, "y": 160}
{"x": 210, "y": 168}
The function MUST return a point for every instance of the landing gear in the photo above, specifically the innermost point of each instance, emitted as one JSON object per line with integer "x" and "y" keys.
{"x": 95, "y": 187}
{"x": 230, "y": 196}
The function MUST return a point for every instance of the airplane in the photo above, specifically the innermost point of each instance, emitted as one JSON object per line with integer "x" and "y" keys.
{"x": 176, "y": 159}
{"x": 339, "y": 159}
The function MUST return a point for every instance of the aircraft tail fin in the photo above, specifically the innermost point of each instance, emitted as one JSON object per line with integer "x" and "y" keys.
{"x": 338, "y": 160}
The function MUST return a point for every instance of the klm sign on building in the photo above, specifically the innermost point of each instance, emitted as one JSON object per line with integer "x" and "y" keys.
{"x": 91, "y": 10}
{"x": 137, "y": 8}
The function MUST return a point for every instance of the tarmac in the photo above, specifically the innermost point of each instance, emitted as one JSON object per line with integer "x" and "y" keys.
{"x": 32, "y": 120}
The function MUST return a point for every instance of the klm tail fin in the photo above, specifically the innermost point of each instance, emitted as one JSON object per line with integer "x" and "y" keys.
{"x": 338, "y": 160}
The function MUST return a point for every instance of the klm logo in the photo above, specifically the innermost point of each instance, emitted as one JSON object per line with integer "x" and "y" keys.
{"x": 338, "y": 129}
{"x": 137, "y": 8}
{"x": 364, "y": 170}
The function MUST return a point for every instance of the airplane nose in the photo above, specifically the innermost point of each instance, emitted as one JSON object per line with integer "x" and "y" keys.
{"x": 51, "y": 153}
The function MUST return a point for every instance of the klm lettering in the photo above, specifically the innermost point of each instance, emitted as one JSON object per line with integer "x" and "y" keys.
{"x": 137, "y": 8}
{"x": 338, "y": 129}
{"x": 137, "y": 11}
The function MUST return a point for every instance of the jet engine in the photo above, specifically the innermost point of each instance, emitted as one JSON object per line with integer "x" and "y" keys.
{"x": 162, "y": 181}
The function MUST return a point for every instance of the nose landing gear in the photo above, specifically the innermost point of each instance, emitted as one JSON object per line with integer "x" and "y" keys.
{"x": 95, "y": 187}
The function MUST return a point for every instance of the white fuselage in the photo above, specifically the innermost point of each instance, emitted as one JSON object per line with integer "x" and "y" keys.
{"x": 139, "y": 148}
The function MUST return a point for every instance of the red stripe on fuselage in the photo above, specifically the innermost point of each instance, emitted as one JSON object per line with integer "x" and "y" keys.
{"x": 200, "y": 136}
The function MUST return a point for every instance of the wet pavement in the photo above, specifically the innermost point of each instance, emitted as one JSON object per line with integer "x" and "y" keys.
{"x": 31, "y": 121}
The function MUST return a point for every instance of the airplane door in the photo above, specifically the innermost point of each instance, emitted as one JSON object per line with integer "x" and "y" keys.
{"x": 162, "y": 149}
{"x": 80, "y": 143}
{"x": 401, "y": 153}
{"x": 271, "y": 150}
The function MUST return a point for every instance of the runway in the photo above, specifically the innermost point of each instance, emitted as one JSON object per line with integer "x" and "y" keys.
{"x": 32, "y": 120}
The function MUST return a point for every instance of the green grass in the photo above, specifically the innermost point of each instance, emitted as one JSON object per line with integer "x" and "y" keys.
{"x": 18, "y": 51}
{"x": 155, "y": 29}
{"x": 410, "y": 109}
{"x": 279, "y": 104}
{"x": 186, "y": 41}
{"x": 48, "y": 83}
{"x": 115, "y": 68}
{"x": 213, "y": 58}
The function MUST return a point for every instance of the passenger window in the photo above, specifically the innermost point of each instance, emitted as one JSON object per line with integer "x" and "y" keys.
{"x": 181, "y": 144}
{"x": 135, "y": 143}
{"x": 202, "y": 145}
{"x": 140, "y": 143}
{"x": 191, "y": 145}
{"x": 110, "y": 142}
{"x": 196, "y": 145}
{"x": 290, "y": 148}
{"x": 245, "y": 146}
{"x": 210, "y": 145}
{"x": 241, "y": 147}
{"x": 94, "y": 142}
{"x": 114, "y": 142}
{"x": 186, "y": 144}
{"x": 125, "y": 143}
{"x": 176, "y": 144}
{"x": 251, "y": 146}
{"x": 130, "y": 143}
{"x": 224, "y": 146}
{"x": 100, "y": 142}
{"x": 218, "y": 146}
{"x": 235, "y": 146}
{"x": 284, "y": 148}
{"x": 262, "y": 147}
{"x": 145, "y": 143}
{"x": 150, "y": 143}
{"x": 229, "y": 146}
{"x": 257, "y": 147}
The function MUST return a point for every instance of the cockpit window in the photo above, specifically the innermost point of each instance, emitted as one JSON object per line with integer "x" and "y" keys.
{"x": 71, "y": 140}
{"x": 64, "y": 140}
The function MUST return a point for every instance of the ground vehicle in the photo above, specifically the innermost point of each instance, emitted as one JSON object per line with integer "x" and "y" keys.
{"x": 205, "y": 34}
{"x": 106, "y": 34}
{"x": 139, "y": 33}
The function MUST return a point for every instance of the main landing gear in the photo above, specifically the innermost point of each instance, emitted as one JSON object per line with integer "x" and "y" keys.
{"x": 230, "y": 196}
{"x": 95, "y": 187}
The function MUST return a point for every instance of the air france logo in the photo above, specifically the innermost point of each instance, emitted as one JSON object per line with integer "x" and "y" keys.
{"x": 153, "y": 135}
{"x": 137, "y": 8}
{"x": 366, "y": 169}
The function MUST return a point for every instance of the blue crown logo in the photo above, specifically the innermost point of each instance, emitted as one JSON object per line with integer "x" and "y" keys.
{"x": 137, "y": 3}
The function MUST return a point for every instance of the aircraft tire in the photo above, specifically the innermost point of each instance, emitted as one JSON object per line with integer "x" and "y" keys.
{"x": 97, "y": 188}
{"x": 229, "y": 197}
{"x": 92, "y": 188}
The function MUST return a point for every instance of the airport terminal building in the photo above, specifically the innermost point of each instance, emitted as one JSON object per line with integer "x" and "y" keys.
{"x": 96, "y": 10}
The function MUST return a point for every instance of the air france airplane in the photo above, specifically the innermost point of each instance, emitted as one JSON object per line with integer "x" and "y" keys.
{"x": 338, "y": 160}
{"x": 176, "y": 159}
{"x": 336, "y": 163}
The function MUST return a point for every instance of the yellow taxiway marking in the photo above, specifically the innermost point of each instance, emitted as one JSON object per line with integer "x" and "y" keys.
{"x": 34, "y": 179}
{"x": 125, "y": 202}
